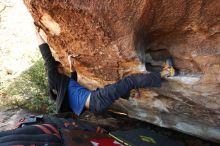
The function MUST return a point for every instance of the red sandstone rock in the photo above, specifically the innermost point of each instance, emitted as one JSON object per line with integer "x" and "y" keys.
{"x": 112, "y": 39}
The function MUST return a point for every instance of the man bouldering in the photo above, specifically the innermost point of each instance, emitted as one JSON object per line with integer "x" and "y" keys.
{"x": 70, "y": 95}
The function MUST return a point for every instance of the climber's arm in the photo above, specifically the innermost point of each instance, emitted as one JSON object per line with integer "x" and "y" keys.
{"x": 50, "y": 62}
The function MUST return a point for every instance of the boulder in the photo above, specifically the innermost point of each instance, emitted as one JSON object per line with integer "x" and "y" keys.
{"x": 111, "y": 39}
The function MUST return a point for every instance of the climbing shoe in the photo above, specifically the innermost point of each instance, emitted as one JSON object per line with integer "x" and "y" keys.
{"x": 168, "y": 69}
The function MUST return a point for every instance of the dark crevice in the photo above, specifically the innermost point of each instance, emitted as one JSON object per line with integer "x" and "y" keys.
{"x": 159, "y": 55}
{"x": 154, "y": 59}
{"x": 152, "y": 68}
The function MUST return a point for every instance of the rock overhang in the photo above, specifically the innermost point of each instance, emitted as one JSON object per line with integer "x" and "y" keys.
{"x": 112, "y": 39}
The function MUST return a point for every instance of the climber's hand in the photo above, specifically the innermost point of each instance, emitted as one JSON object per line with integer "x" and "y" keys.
{"x": 40, "y": 35}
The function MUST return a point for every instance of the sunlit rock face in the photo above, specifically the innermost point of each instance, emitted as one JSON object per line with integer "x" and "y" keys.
{"x": 112, "y": 39}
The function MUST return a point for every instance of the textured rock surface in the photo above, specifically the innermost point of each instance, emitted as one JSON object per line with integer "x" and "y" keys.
{"x": 112, "y": 39}
{"x": 10, "y": 118}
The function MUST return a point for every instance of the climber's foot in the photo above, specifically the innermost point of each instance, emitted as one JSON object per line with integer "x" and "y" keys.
{"x": 168, "y": 69}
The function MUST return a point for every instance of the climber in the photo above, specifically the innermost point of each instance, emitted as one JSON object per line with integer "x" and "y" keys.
{"x": 70, "y": 95}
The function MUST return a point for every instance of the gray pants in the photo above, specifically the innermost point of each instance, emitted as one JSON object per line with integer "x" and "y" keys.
{"x": 102, "y": 98}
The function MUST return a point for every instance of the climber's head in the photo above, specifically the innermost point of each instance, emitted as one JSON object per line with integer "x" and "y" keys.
{"x": 60, "y": 67}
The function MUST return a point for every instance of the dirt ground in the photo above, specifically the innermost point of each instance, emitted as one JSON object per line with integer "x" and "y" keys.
{"x": 18, "y": 50}
{"x": 18, "y": 45}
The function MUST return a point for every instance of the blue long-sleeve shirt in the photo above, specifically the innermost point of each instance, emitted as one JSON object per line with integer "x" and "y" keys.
{"x": 77, "y": 96}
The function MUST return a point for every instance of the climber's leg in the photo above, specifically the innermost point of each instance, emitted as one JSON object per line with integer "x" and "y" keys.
{"x": 102, "y": 98}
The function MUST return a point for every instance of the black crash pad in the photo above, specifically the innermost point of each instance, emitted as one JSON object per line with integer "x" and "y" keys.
{"x": 144, "y": 137}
